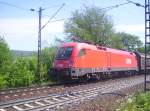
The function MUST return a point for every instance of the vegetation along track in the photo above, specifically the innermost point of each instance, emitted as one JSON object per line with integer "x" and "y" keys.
{"x": 54, "y": 100}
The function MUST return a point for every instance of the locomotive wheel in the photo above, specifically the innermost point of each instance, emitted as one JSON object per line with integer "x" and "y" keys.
{"x": 103, "y": 76}
{"x": 98, "y": 77}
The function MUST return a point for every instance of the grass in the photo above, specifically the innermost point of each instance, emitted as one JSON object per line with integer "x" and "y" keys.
{"x": 139, "y": 102}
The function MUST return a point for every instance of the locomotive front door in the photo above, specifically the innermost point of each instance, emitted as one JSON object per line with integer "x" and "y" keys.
{"x": 108, "y": 61}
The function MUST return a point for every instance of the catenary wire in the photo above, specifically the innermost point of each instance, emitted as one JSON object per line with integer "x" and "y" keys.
{"x": 105, "y": 9}
{"x": 53, "y": 16}
{"x": 15, "y": 6}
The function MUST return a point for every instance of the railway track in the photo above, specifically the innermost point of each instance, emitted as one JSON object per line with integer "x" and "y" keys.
{"x": 55, "y": 100}
{"x": 21, "y": 93}
{"x": 29, "y": 92}
{"x": 13, "y": 91}
{"x": 18, "y": 90}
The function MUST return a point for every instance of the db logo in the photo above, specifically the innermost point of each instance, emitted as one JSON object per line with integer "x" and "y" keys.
{"x": 128, "y": 61}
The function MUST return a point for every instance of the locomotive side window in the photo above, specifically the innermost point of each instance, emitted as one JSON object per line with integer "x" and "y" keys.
{"x": 81, "y": 52}
{"x": 64, "y": 52}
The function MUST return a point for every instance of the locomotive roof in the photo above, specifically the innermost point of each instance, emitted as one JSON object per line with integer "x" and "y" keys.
{"x": 95, "y": 47}
{"x": 78, "y": 44}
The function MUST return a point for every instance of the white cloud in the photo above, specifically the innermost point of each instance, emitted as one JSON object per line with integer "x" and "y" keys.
{"x": 55, "y": 27}
{"x": 133, "y": 29}
{"x": 18, "y": 26}
{"x": 26, "y": 26}
{"x": 138, "y": 30}
{"x": 19, "y": 31}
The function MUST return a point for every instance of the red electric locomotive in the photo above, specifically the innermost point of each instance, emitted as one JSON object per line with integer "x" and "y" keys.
{"x": 77, "y": 60}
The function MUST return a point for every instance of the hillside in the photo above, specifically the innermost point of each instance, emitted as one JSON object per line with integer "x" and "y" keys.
{"x": 20, "y": 53}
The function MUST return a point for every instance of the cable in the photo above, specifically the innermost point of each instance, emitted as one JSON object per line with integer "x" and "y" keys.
{"x": 21, "y": 8}
{"x": 60, "y": 19}
{"x": 52, "y": 6}
{"x": 53, "y": 15}
{"x": 118, "y": 5}
{"x": 106, "y": 9}
{"x": 114, "y": 6}
{"x": 137, "y": 4}
{"x": 11, "y": 5}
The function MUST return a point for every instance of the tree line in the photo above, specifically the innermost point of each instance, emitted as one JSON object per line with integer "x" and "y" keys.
{"x": 21, "y": 71}
{"x": 89, "y": 24}
{"x": 94, "y": 25}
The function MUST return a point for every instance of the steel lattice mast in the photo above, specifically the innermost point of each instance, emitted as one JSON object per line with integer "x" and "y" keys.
{"x": 147, "y": 43}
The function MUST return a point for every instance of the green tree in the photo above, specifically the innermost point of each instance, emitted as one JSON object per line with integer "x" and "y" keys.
{"x": 5, "y": 55}
{"x": 116, "y": 42}
{"x": 129, "y": 42}
{"x": 20, "y": 73}
{"x": 47, "y": 56}
{"x": 5, "y": 62}
{"x": 141, "y": 49}
{"x": 90, "y": 24}
{"x": 32, "y": 63}
{"x": 47, "y": 59}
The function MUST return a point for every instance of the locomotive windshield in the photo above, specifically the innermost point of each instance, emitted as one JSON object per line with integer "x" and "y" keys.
{"x": 64, "y": 52}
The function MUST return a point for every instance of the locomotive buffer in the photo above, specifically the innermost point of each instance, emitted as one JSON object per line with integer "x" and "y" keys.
{"x": 147, "y": 45}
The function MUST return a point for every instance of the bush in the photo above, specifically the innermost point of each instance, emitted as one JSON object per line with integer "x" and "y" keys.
{"x": 3, "y": 81}
{"x": 5, "y": 54}
{"x": 140, "y": 102}
{"x": 20, "y": 74}
{"x": 5, "y": 63}
{"x": 47, "y": 58}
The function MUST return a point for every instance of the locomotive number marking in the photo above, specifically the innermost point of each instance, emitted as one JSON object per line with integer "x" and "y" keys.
{"x": 128, "y": 61}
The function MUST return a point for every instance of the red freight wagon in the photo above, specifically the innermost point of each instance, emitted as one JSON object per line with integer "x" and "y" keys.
{"x": 81, "y": 60}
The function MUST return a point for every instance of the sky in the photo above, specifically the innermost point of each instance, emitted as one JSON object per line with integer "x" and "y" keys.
{"x": 19, "y": 25}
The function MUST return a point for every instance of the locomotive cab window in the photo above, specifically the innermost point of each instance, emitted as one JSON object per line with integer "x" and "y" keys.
{"x": 82, "y": 52}
{"x": 64, "y": 52}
